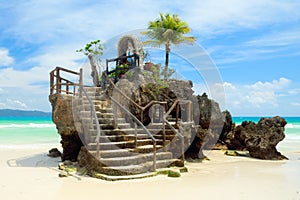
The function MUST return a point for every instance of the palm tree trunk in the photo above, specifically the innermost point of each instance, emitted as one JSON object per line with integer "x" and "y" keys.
{"x": 94, "y": 72}
{"x": 166, "y": 70}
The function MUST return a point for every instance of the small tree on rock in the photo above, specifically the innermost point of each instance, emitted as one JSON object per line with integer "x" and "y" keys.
{"x": 94, "y": 51}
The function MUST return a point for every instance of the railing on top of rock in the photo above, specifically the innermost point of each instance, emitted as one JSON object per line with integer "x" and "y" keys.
{"x": 59, "y": 85}
{"x": 122, "y": 60}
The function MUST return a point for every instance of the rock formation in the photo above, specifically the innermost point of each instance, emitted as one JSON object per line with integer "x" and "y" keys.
{"x": 62, "y": 116}
{"x": 259, "y": 139}
{"x": 212, "y": 125}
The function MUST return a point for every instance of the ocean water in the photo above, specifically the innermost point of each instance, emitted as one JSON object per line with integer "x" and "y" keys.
{"x": 28, "y": 132}
{"x": 35, "y": 132}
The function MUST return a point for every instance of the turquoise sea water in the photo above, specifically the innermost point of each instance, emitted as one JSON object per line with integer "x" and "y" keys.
{"x": 27, "y": 132}
{"x": 31, "y": 132}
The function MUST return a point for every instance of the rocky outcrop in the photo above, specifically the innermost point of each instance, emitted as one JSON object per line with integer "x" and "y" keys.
{"x": 212, "y": 124}
{"x": 62, "y": 116}
{"x": 259, "y": 139}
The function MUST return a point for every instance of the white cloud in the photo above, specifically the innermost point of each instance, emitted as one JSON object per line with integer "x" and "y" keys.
{"x": 284, "y": 38}
{"x": 262, "y": 93}
{"x": 295, "y": 104}
{"x": 283, "y": 43}
{"x": 17, "y": 103}
{"x": 5, "y": 59}
{"x": 247, "y": 98}
{"x": 226, "y": 16}
{"x": 15, "y": 78}
{"x": 13, "y": 104}
{"x": 267, "y": 86}
{"x": 294, "y": 91}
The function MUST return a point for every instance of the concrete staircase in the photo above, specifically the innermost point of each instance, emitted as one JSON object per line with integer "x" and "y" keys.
{"x": 125, "y": 149}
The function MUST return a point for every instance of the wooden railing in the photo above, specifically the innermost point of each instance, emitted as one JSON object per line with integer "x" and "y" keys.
{"x": 60, "y": 85}
{"x": 119, "y": 61}
{"x": 176, "y": 105}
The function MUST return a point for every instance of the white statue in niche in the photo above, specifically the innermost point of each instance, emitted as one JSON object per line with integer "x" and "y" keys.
{"x": 129, "y": 52}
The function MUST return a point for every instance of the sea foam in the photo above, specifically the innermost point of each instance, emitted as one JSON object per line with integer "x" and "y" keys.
{"x": 30, "y": 125}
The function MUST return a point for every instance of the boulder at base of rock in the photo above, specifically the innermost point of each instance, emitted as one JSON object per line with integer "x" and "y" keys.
{"x": 54, "y": 153}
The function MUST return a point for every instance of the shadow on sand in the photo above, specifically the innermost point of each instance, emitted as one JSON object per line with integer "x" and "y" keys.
{"x": 38, "y": 160}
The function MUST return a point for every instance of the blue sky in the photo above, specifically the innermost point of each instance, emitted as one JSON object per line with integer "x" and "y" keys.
{"x": 255, "y": 46}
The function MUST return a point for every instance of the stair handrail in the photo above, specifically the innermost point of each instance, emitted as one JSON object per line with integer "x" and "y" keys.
{"x": 94, "y": 117}
{"x": 143, "y": 127}
{"x": 172, "y": 127}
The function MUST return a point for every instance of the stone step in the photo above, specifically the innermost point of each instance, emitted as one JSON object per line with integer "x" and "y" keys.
{"x": 113, "y": 153}
{"x": 105, "y": 110}
{"x": 93, "y": 89}
{"x": 120, "y": 138}
{"x": 119, "y": 126}
{"x": 126, "y": 130}
{"x": 126, "y": 137}
{"x": 106, "y": 144}
{"x": 101, "y": 108}
{"x": 124, "y": 170}
{"x": 135, "y": 159}
{"x": 138, "y": 169}
{"x": 117, "y": 138}
{"x": 95, "y": 100}
{"x": 111, "y": 145}
{"x": 85, "y": 114}
{"x": 158, "y": 125}
{"x": 146, "y": 148}
{"x": 104, "y": 121}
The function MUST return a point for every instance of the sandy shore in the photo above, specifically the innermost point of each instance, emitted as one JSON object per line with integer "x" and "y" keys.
{"x": 30, "y": 174}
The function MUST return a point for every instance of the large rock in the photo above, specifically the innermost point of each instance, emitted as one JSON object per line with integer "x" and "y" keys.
{"x": 212, "y": 125}
{"x": 62, "y": 116}
{"x": 259, "y": 139}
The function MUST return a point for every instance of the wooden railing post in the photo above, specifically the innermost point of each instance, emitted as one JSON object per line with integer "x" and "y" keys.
{"x": 189, "y": 110}
{"x": 51, "y": 82}
{"x": 80, "y": 82}
{"x": 58, "y": 81}
{"x": 135, "y": 135}
{"x": 177, "y": 112}
{"x": 154, "y": 156}
{"x": 67, "y": 87}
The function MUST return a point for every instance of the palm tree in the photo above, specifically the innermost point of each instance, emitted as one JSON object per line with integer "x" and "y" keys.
{"x": 168, "y": 29}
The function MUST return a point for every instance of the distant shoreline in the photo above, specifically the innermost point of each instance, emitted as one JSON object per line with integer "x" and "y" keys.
{"x": 23, "y": 113}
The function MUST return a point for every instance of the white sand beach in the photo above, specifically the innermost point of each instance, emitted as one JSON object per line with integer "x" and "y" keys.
{"x": 30, "y": 174}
